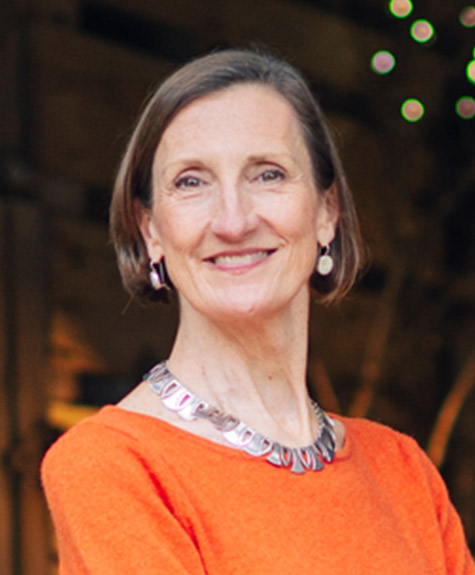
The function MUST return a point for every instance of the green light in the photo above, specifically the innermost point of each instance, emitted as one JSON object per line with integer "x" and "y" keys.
{"x": 400, "y": 8}
{"x": 465, "y": 107}
{"x": 412, "y": 110}
{"x": 422, "y": 31}
{"x": 383, "y": 62}
{"x": 471, "y": 71}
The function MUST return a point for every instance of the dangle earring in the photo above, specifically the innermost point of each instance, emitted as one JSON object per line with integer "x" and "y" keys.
{"x": 325, "y": 262}
{"x": 157, "y": 276}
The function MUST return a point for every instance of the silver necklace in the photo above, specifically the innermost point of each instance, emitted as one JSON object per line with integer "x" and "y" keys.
{"x": 176, "y": 397}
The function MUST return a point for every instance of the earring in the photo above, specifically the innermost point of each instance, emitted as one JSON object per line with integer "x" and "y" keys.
{"x": 325, "y": 262}
{"x": 157, "y": 276}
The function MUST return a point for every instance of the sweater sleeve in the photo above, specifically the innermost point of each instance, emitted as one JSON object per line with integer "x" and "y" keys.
{"x": 111, "y": 514}
{"x": 457, "y": 555}
{"x": 458, "y": 560}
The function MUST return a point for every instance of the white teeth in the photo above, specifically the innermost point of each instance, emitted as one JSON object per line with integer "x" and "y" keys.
{"x": 240, "y": 259}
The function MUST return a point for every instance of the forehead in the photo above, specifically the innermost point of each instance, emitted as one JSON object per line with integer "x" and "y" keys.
{"x": 243, "y": 111}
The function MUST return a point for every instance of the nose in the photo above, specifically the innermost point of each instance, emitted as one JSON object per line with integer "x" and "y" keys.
{"x": 234, "y": 215}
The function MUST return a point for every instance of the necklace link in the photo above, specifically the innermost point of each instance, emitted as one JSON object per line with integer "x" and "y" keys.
{"x": 178, "y": 398}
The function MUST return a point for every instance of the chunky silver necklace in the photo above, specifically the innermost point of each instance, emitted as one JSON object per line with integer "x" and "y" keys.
{"x": 176, "y": 397}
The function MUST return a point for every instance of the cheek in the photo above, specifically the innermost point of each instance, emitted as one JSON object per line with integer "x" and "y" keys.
{"x": 179, "y": 228}
{"x": 296, "y": 218}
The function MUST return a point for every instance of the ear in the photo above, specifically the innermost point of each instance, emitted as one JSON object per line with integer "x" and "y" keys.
{"x": 148, "y": 229}
{"x": 328, "y": 215}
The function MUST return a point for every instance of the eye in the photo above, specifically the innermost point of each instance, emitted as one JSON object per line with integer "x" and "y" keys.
{"x": 188, "y": 182}
{"x": 273, "y": 175}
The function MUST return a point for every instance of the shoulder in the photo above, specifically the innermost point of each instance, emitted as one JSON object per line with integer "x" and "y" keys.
{"x": 90, "y": 436}
{"x": 110, "y": 444}
{"x": 395, "y": 457}
{"x": 389, "y": 444}
{"x": 408, "y": 478}
{"x": 380, "y": 436}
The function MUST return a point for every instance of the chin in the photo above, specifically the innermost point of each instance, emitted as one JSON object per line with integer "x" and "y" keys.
{"x": 252, "y": 302}
{"x": 231, "y": 309}
{"x": 242, "y": 306}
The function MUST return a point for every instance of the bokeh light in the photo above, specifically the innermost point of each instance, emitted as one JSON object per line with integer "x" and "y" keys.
{"x": 467, "y": 17}
{"x": 465, "y": 107}
{"x": 422, "y": 31}
{"x": 471, "y": 71}
{"x": 400, "y": 8}
{"x": 412, "y": 110}
{"x": 383, "y": 62}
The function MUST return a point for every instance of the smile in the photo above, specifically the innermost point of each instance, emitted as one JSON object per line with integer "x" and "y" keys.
{"x": 241, "y": 259}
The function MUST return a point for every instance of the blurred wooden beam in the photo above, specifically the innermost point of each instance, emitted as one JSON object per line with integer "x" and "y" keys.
{"x": 24, "y": 335}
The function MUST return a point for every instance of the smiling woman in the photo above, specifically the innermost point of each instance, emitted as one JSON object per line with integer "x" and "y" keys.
{"x": 205, "y": 78}
{"x": 219, "y": 462}
{"x": 235, "y": 212}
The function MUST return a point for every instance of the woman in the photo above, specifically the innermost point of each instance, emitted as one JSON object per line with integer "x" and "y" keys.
{"x": 231, "y": 193}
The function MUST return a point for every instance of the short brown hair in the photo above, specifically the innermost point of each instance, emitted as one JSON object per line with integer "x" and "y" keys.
{"x": 194, "y": 80}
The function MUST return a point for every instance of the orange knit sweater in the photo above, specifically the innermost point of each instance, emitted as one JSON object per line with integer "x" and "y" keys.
{"x": 132, "y": 495}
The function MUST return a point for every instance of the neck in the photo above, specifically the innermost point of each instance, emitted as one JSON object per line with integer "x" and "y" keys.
{"x": 254, "y": 369}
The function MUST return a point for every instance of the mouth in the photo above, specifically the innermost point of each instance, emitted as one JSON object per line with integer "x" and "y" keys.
{"x": 240, "y": 259}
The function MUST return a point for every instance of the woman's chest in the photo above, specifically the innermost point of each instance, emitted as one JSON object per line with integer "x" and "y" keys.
{"x": 248, "y": 524}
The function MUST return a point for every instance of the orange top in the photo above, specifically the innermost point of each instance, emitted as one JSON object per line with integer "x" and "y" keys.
{"x": 133, "y": 495}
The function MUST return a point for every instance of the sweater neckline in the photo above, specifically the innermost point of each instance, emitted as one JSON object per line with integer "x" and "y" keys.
{"x": 112, "y": 414}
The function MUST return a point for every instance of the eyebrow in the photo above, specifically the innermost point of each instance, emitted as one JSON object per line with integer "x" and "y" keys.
{"x": 198, "y": 163}
{"x": 269, "y": 157}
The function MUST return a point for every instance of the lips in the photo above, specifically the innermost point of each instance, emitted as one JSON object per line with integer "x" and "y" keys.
{"x": 238, "y": 259}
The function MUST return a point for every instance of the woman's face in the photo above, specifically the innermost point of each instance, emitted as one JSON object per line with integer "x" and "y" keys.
{"x": 235, "y": 211}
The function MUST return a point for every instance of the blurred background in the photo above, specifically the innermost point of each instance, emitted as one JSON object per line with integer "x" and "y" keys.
{"x": 397, "y": 80}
